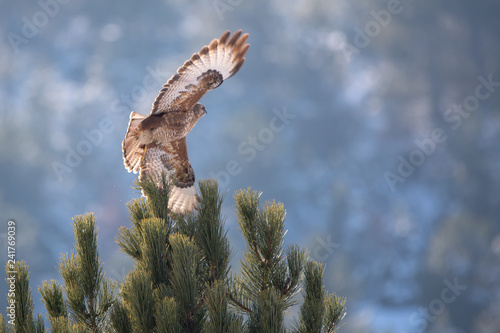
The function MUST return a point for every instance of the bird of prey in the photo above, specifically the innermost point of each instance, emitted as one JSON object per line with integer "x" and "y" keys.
{"x": 156, "y": 143}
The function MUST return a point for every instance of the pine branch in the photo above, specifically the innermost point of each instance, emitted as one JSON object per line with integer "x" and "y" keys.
{"x": 89, "y": 293}
{"x": 220, "y": 318}
{"x": 267, "y": 313}
{"x": 147, "y": 243}
{"x": 334, "y": 313}
{"x": 265, "y": 266}
{"x": 105, "y": 300}
{"x": 186, "y": 224}
{"x": 296, "y": 259}
{"x": 78, "y": 328}
{"x": 247, "y": 210}
{"x": 120, "y": 319}
{"x": 69, "y": 267}
{"x": 20, "y": 303}
{"x": 313, "y": 309}
{"x": 39, "y": 324}
{"x": 130, "y": 239}
{"x": 53, "y": 299}
{"x": 60, "y": 325}
{"x": 166, "y": 314}
{"x": 320, "y": 312}
{"x": 187, "y": 282}
{"x": 138, "y": 210}
{"x": 153, "y": 247}
{"x": 210, "y": 235}
{"x": 157, "y": 195}
{"x": 63, "y": 325}
{"x": 137, "y": 293}
{"x": 3, "y": 327}
{"x": 239, "y": 299}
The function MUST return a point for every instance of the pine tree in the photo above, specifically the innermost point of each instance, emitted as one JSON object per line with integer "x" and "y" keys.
{"x": 82, "y": 304}
{"x": 181, "y": 267}
{"x": 181, "y": 281}
{"x": 20, "y": 309}
{"x": 89, "y": 294}
{"x": 320, "y": 312}
{"x": 272, "y": 276}
{"x": 194, "y": 285}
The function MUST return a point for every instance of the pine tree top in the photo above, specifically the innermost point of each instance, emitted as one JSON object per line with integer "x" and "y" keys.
{"x": 181, "y": 281}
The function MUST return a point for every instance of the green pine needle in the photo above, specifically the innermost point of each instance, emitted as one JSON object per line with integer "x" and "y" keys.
{"x": 153, "y": 247}
{"x": 89, "y": 294}
{"x": 53, "y": 299}
{"x": 120, "y": 319}
{"x": 211, "y": 236}
{"x": 137, "y": 293}
{"x": 166, "y": 315}
{"x": 157, "y": 195}
{"x": 20, "y": 297}
{"x": 187, "y": 282}
{"x": 266, "y": 265}
{"x": 3, "y": 328}
{"x": 335, "y": 311}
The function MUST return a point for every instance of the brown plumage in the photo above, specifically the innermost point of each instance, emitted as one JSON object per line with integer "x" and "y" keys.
{"x": 156, "y": 144}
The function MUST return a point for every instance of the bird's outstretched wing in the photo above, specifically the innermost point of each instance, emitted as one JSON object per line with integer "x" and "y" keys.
{"x": 205, "y": 71}
{"x": 172, "y": 159}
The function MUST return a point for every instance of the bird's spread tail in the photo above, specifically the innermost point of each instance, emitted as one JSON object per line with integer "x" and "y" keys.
{"x": 131, "y": 146}
{"x": 182, "y": 199}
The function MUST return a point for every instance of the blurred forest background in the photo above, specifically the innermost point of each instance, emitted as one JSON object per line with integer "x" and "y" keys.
{"x": 376, "y": 123}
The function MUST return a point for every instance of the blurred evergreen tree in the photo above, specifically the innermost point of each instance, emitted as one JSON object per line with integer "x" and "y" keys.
{"x": 181, "y": 281}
